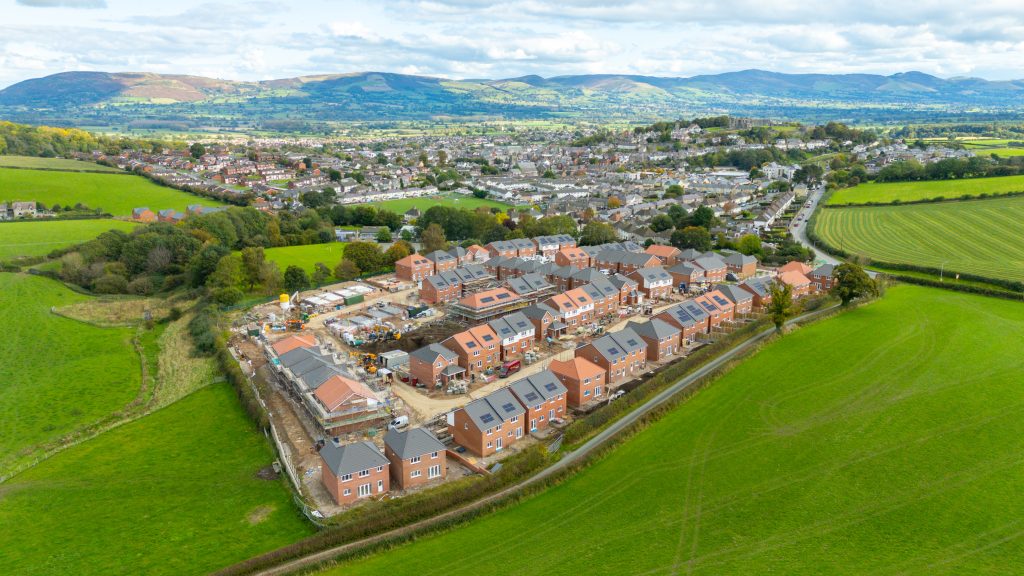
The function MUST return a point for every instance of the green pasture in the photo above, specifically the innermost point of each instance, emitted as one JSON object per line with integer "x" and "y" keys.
{"x": 40, "y": 237}
{"x": 923, "y": 190}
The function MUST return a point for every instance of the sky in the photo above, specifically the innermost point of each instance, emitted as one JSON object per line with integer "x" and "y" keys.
{"x": 265, "y": 39}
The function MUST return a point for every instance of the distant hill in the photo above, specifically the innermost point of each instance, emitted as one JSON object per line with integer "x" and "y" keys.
{"x": 296, "y": 104}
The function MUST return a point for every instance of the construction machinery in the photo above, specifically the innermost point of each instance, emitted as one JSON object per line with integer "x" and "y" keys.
{"x": 294, "y": 324}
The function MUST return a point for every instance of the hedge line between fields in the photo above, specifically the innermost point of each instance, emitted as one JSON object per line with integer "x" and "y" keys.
{"x": 822, "y": 244}
{"x": 935, "y": 200}
{"x": 956, "y": 287}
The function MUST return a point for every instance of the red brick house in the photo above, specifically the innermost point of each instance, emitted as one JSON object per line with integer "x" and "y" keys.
{"x": 743, "y": 301}
{"x": 714, "y": 267}
{"x": 624, "y": 262}
{"x": 416, "y": 457}
{"x": 663, "y": 339}
{"x": 795, "y": 266}
{"x": 443, "y": 287}
{"x": 489, "y": 424}
{"x": 344, "y": 405}
{"x": 669, "y": 255}
{"x": 543, "y": 318}
{"x": 715, "y": 313}
{"x": 758, "y": 289}
{"x": 477, "y": 349}
{"x": 516, "y": 334}
{"x": 800, "y": 284}
{"x": 354, "y": 471}
{"x": 689, "y": 317}
{"x": 143, "y": 215}
{"x": 573, "y": 257}
{"x": 741, "y": 265}
{"x": 413, "y": 268}
{"x": 654, "y": 282}
{"x": 543, "y": 396}
{"x": 443, "y": 261}
{"x": 434, "y": 363}
{"x": 622, "y": 354}
{"x": 584, "y": 381}
{"x": 823, "y": 277}
{"x": 524, "y": 247}
{"x": 477, "y": 254}
{"x": 725, "y": 305}
{"x": 502, "y": 248}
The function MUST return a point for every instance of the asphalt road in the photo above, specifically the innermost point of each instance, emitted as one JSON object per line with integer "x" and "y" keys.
{"x": 799, "y": 228}
{"x": 569, "y": 459}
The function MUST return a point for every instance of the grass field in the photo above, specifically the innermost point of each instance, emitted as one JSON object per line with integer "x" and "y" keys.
{"x": 1006, "y": 152}
{"x": 455, "y": 201}
{"x": 116, "y": 194}
{"x": 57, "y": 374}
{"x": 53, "y": 164}
{"x": 983, "y": 237}
{"x": 307, "y": 256}
{"x": 889, "y": 440}
{"x": 38, "y": 238}
{"x": 175, "y": 492}
{"x": 910, "y": 191}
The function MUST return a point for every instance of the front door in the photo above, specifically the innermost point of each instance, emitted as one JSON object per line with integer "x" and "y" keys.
{"x": 533, "y": 425}
{"x": 551, "y": 414}
{"x": 497, "y": 445}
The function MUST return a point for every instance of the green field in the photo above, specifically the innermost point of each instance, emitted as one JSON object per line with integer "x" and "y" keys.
{"x": 307, "y": 256}
{"x": 454, "y": 201}
{"x": 116, "y": 194}
{"x": 38, "y": 238}
{"x": 53, "y": 164}
{"x": 889, "y": 440}
{"x": 175, "y": 492}
{"x": 56, "y": 374}
{"x": 984, "y": 237}
{"x": 1005, "y": 152}
{"x": 911, "y": 191}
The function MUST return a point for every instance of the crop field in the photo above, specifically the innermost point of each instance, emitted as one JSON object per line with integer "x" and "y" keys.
{"x": 909, "y": 191}
{"x": 307, "y": 256}
{"x": 983, "y": 237}
{"x": 116, "y": 194}
{"x": 469, "y": 202}
{"x": 57, "y": 374}
{"x": 1005, "y": 152}
{"x": 175, "y": 492}
{"x": 38, "y": 238}
{"x": 53, "y": 164}
{"x": 888, "y": 440}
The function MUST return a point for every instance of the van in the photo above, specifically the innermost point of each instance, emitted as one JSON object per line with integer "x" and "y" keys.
{"x": 397, "y": 423}
{"x": 509, "y": 368}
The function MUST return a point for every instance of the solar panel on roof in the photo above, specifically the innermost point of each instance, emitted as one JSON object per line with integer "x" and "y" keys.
{"x": 470, "y": 344}
{"x": 487, "y": 299}
{"x": 614, "y": 351}
{"x": 532, "y": 396}
{"x": 631, "y": 342}
{"x": 550, "y": 387}
{"x": 508, "y": 407}
{"x": 708, "y": 306}
{"x": 487, "y": 418}
{"x": 488, "y": 338}
{"x": 502, "y": 296}
{"x": 719, "y": 299}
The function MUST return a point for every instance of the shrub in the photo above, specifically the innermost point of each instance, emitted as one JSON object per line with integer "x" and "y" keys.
{"x": 111, "y": 284}
{"x": 143, "y": 286}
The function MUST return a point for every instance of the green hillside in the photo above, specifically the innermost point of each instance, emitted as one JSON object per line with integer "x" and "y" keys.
{"x": 39, "y": 238}
{"x": 888, "y": 440}
{"x": 910, "y": 191}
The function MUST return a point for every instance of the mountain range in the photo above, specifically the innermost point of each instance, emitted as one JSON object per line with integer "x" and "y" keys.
{"x": 313, "y": 102}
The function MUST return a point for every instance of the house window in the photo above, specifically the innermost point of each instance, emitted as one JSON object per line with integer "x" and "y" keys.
{"x": 414, "y": 460}
{"x": 380, "y": 468}
{"x": 365, "y": 490}
{"x": 364, "y": 473}
{"x": 433, "y": 455}
{"x": 465, "y": 426}
{"x": 489, "y": 430}
{"x": 514, "y": 420}
{"x": 519, "y": 432}
{"x": 415, "y": 474}
{"x": 434, "y": 471}
{"x": 380, "y": 486}
{"x": 347, "y": 492}
{"x": 586, "y": 393}
{"x": 597, "y": 391}
{"x": 346, "y": 477}
{"x": 488, "y": 444}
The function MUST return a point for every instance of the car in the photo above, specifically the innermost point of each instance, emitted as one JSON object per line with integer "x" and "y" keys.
{"x": 398, "y": 423}
{"x": 616, "y": 395}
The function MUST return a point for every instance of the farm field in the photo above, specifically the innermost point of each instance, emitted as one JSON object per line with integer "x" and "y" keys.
{"x": 175, "y": 492}
{"x": 888, "y": 440}
{"x": 983, "y": 237}
{"x": 39, "y": 238}
{"x": 471, "y": 203}
{"x": 57, "y": 374}
{"x": 116, "y": 194}
{"x": 53, "y": 164}
{"x": 1006, "y": 152}
{"x": 909, "y": 191}
{"x": 306, "y": 256}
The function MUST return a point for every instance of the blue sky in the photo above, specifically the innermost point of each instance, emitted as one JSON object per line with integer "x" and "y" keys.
{"x": 265, "y": 39}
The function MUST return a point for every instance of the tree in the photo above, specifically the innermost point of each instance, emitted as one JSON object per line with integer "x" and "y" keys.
{"x": 851, "y": 282}
{"x": 228, "y": 273}
{"x": 406, "y": 235}
{"x": 781, "y": 308}
{"x": 614, "y": 202}
{"x": 253, "y": 262}
{"x": 808, "y": 174}
{"x": 396, "y": 252}
{"x": 694, "y": 237}
{"x": 347, "y": 270}
{"x": 227, "y": 295}
{"x": 678, "y": 215}
{"x": 321, "y": 273}
{"x": 442, "y": 157}
{"x": 367, "y": 256}
{"x": 704, "y": 217}
{"x": 383, "y": 236}
{"x": 749, "y": 244}
{"x": 673, "y": 191}
{"x": 295, "y": 279}
{"x": 197, "y": 150}
{"x": 549, "y": 174}
{"x": 597, "y": 233}
{"x": 433, "y": 238}
{"x": 661, "y": 222}
{"x": 334, "y": 175}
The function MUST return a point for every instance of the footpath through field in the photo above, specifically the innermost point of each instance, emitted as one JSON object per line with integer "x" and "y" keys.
{"x": 568, "y": 460}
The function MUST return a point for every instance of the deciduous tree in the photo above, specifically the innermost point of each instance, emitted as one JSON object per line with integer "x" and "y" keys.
{"x": 781, "y": 308}
{"x": 852, "y": 282}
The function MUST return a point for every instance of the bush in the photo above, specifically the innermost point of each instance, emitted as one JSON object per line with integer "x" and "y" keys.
{"x": 111, "y": 284}
{"x": 203, "y": 329}
{"x": 143, "y": 286}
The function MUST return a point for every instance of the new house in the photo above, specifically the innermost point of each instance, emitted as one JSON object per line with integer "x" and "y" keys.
{"x": 354, "y": 471}
{"x": 544, "y": 397}
{"x": 416, "y": 457}
{"x": 413, "y": 268}
{"x": 622, "y": 354}
{"x": 584, "y": 381}
{"x": 434, "y": 364}
{"x": 489, "y": 424}
{"x": 663, "y": 339}
{"x": 654, "y": 282}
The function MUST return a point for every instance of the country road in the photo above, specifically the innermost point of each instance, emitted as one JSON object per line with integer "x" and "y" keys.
{"x": 569, "y": 459}
{"x": 799, "y": 227}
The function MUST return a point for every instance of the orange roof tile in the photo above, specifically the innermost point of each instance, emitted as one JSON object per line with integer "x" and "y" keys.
{"x": 794, "y": 278}
{"x": 477, "y": 300}
{"x": 577, "y": 368}
{"x": 290, "y": 343}
{"x": 338, "y": 390}
{"x": 797, "y": 266}
{"x": 662, "y": 250}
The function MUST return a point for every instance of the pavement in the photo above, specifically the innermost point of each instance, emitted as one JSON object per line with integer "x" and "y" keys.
{"x": 799, "y": 229}
{"x": 569, "y": 459}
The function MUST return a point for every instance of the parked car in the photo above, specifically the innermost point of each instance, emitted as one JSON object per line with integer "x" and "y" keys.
{"x": 397, "y": 423}
{"x": 616, "y": 395}
{"x": 509, "y": 368}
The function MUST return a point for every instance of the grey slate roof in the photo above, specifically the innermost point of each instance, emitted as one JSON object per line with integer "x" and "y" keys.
{"x": 734, "y": 293}
{"x": 412, "y": 442}
{"x": 311, "y": 366}
{"x": 605, "y": 286}
{"x": 825, "y": 270}
{"x": 523, "y": 244}
{"x": 710, "y": 262}
{"x": 430, "y": 352}
{"x": 352, "y": 458}
{"x": 444, "y": 280}
{"x": 737, "y": 259}
{"x": 493, "y": 409}
{"x": 624, "y": 257}
{"x": 538, "y": 311}
{"x": 537, "y": 388}
{"x": 528, "y": 284}
{"x": 618, "y": 280}
{"x": 587, "y": 275}
{"x": 758, "y": 286}
{"x": 471, "y": 272}
{"x": 616, "y": 345}
{"x": 439, "y": 256}
{"x": 655, "y": 328}
{"x": 653, "y": 274}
